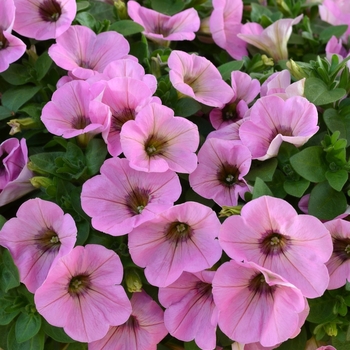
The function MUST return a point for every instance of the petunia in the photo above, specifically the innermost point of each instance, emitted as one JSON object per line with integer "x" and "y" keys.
{"x": 197, "y": 77}
{"x": 190, "y": 310}
{"x": 82, "y": 293}
{"x": 182, "y": 238}
{"x": 44, "y": 19}
{"x": 83, "y": 53}
{"x": 257, "y": 305}
{"x": 157, "y": 141}
{"x": 274, "y": 120}
{"x": 14, "y": 173}
{"x": 221, "y": 170}
{"x": 270, "y": 233}
{"x": 122, "y": 198}
{"x": 36, "y": 238}
{"x": 162, "y": 28}
{"x": 339, "y": 263}
{"x": 245, "y": 89}
{"x": 225, "y": 23}
{"x": 142, "y": 331}
{"x": 73, "y": 111}
{"x": 11, "y": 48}
{"x": 273, "y": 39}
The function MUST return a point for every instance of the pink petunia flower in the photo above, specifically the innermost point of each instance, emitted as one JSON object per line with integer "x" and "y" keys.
{"x": 84, "y": 53}
{"x": 270, "y": 233}
{"x": 225, "y": 23}
{"x": 162, "y": 28}
{"x": 339, "y": 263}
{"x": 182, "y": 238}
{"x": 219, "y": 174}
{"x": 44, "y": 19}
{"x": 245, "y": 89}
{"x": 274, "y": 120}
{"x": 72, "y": 112}
{"x": 11, "y": 48}
{"x": 197, "y": 77}
{"x": 39, "y": 235}
{"x": 273, "y": 39}
{"x": 257, "y": 305}
{"x": 82, "y": 293}
{"x": 14, "y": 173}
{"x": 156, "y": 141}
{"x": 142, "y": 331}
{"x": 125, "y": 96}
{"x": 122, "y": 198}
{"x": 190, "y": 310}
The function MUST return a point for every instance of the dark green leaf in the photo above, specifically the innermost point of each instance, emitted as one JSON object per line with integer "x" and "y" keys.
{"x": 298, "y": 342}
{"x": 56, "y": 333}
{"x": 338, "y": 122}
{"x": 83, "y": 227}
{"x": 2, "y": 221}
{"x": 35, "y": 343}
{"x": 296, "y": 188}
{"x": 337, "y": 179}
{"x": 168, "y": 7}
{"x": 186, "y": 107}
{"x": 45, "y": 162}
{"x": 310, "y": 164}
{"x": 42, "y": 65}
{"x": 27, "y": 326}
{"x": 16, "y": 74}
{"x": 16, "y": 97}
{"x": 9, "y": 276}
{"x": 86, "y": 19}
{"x": 327, "y": 33}
{"x": 263, "y": 170}
{"x": 95, "y": 155}
{"x": 227, "y": 68}
{"x": 321, "y": 309}
{"x": 191, "y": 345}
{"x": 82, "y": 5}
{"x": 261, "y": 189}
{"x": 326, "y": 203}
{"x": 126, "y": 27}
{"x": 5, "y": 113}
{"x": 5, "y": 316}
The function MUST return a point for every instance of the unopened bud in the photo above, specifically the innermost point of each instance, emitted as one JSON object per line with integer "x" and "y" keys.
{"x": 133, "y": 281}
{"x": 41, "y": 182}
{"x": 17, "y": 125}
{"x": 331, "y": 329}
{"x": 121, "y": 9}
{"x": 296, "y": 71}
{"x": 229, "y": 211}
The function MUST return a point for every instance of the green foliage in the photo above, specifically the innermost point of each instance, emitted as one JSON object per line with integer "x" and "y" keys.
{"x": 126, "y": 27}
{"x": 227, "y": 68}
{"x": 9, "y": 277}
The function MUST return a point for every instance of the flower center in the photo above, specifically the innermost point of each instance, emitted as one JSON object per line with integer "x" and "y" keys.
{"x": 155, "y": 145}
{"x": 137, "y": 200}
{"x": 258, "y": 285}
{"x": 132, "y": 322}
{"x": 274, "y": 243}
{"x": 3, "y": 41}
{"x": 178, "y": 232}
{"x": 48, "y": 240}
{"x": 204, "y": 289}
{"x": 81, "y": 122}
{"x": 341, "y": 248}
{"x": 50, "y": 10}
{"x": 121, "y": 117}
{"x": 79, "y": 284}
{"x": 228, "y": 175}
{"x": 229, "y": 112}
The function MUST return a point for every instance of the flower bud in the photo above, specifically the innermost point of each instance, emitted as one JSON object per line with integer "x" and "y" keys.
{"x": 133, "y": 281}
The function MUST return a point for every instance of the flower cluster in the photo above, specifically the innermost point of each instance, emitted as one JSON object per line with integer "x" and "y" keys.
{"x": 176, "y": 176}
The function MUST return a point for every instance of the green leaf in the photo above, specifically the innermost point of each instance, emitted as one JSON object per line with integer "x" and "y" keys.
{"x": 296, "y": 188}
{"x": 263, "y": 170}
{"x": 261, "y": 189}
{"x": 42, "y": 65}
{"x": 2, "y": 221}
{"x": 258, "y": 11}
{"x": 327, "y": 33}
{"x": 316, "y": 91}
{"x": 5, "y": 113}
{"x": 16, "y": 97}
{"x": 321, "y": 309}
{"x": 16, "y": 74}
{"x": 185, "y": 107}
{"x": 35, "y": 343}
{"x": 337, "y": 179}
{"x": 338, "y": 121}
{"x": 95, "y": 155}
{"x": 56, "y": 333}
{"x": 45, "y": 162}
{"x": 86, "y": 19}
{"x": 82, "y": 5}
{"x": 126, "y": 27}
{"x": 310, "y": 164}
{"x": 9, "y": 276}
{"x": 227, "y": 68}
{"x": 325, "y": 202}
{"x": 27, "y": 326}
{"x": 7, "y": 316}
{"x": 298, "y": 342}
{"x": 168, "y": 7}
{"x": 191, "y": 346}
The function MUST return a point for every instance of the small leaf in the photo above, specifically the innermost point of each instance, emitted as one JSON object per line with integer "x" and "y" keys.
{"x": 35, "y": 343}
{"x": 168, "y": 7}
{"x": 42, "y": 65}
{"x": 126, "y": 27}
{"x": 95, "y": 155}
{"x": 263, "y": 170}
{"x": 261, "y": 189}
{"x": 185, "y": 107}
{"x": 227, "y": 68}
{"x": 296, "y": 188}
{"x": 5, "y": 113}
{"x": 337, "y": 179}
{"x": 327, "y": 33}
{"x": 9, "y": 276}
{"x": 56, "y": 333}
{"x": 16, "y": 97}
{"x": 338, "y": 121}
{"x": 27, "y": 326}
{"x": 16, "y": 74}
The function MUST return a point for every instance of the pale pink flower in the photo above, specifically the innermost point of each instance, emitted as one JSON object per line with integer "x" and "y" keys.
{"x": 14, "y": 173}
{"x": 274, "y": 120}
{"x": 36, "y": 238}
{"x": 251, "y": 346}
{"x": 335, "y": 47}
{"x": 245, "y": 89}
{"x": 197, "y": 77}
{"x": 82, "y": 293}
{"x": 122, "y": 198}
{"x": 273, "y": 39}
{"x": 44, "y": 19}
{"x": 125, "y": 96}
{"x": 190, "y": 310}
{"x": 182, "y": 238}
{"x": 257, "y": 305}
{"x": 270, "y": 233}
{"x": 72, "y": 112}
{"x": 142, "y": 331}
{"x": 225, "y": 23}
{"x": 85, "y": 53}
{"x": 11, "y": 48}
{"x": 162, "y": 28}
{"x": 229, "y": 132}
{"x": 339, "y": 263}
{"x": 157, "y": 141}
{"x": 221, "y": 170}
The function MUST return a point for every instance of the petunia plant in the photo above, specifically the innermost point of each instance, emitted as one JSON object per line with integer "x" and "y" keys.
{"x": 174, "y": 174}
